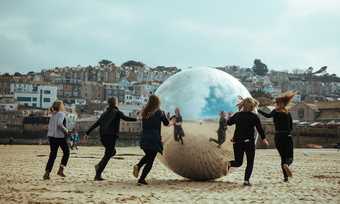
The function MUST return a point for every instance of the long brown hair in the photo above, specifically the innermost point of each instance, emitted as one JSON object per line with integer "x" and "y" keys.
{"x": 151, "y": 107}
{"x": 283, "y": 100}
{"x": 57, "y": 106}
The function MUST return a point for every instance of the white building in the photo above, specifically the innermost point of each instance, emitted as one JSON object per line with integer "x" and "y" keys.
{"x": 8, "y": 103}
{"x": 34, "y": 95}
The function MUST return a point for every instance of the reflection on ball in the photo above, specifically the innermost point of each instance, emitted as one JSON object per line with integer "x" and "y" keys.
{"x": 200, "y": 93}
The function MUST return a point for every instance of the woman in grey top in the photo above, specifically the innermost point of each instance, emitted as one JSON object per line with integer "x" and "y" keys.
{"x": 56, "y": 134}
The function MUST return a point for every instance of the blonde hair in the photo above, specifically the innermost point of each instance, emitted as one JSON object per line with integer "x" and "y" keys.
{"x": 283, "y": 100}
{"x": 57, "y": 106}
{"x": 247, "y": 104}
{"x": 151, "y": 107}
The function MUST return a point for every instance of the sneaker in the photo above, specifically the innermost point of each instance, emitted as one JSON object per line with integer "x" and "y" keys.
{"x": 98, "y": 178}
{"x": 46, "y": 175}
{"x": 135, "y": 171}
{"x": 287, "y": 170}
{"x": 246, "y": 183}
{"x": 142, "y": 182}
{"x": 61, "y": 172}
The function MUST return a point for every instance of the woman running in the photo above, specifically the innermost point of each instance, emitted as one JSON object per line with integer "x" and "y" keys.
{"x": 178, "y": 129}
{"x": 283, "y": 126}
{"x": 151, "y": 141}
{"x": 221, "y": 132}
{"x": 56, "y": 134}
{"x": 244, "y": 135}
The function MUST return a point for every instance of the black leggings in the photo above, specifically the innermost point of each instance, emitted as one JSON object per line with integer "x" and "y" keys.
{"x": 109, "y": 143}
{"x": 55, "y": 143}
{"x": 148, "y": 160}
{"x": 239, "y": 150}
{"x": 284, "y": 145}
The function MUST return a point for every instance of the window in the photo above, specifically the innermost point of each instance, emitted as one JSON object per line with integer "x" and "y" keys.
{"x": 26, "y": 99}
{"x": 34, "y": 105}
{"x": 34, "y": 99}
{"x": 47, "y": 100}
{"x": 47, "y": 92}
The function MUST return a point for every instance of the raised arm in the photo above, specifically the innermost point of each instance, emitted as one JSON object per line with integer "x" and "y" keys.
{"x": 232, "y": 120}
{"x": 95, "y": 125}
{"x": 267, "y": 115}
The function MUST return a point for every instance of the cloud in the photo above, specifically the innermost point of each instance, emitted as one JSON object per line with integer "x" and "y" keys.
{"x": 285, "y": 34}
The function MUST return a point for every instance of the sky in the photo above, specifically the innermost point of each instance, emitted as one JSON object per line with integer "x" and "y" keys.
{"x": 284, "y": 34}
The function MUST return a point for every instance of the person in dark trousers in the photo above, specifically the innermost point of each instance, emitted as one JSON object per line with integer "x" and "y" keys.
{"x": 244, "y": 136}
{"x": 178, "y": 129}
{"x": 221, "y": 132}
{"x": 109, "y": 132}
{"x": 283, "y": 126}
{"x": 151, "y": 141}
{"x": 57, "y": 133}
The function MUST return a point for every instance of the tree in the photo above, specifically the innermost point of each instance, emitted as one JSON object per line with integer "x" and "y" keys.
{"x": 17, "y": 74}
{"x": 260, "y": 68}
{"x": 104, "y": 62}
{"x": 132, "y": 63}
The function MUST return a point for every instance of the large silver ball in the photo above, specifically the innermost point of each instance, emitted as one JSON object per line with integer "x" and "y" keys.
{"x": 200, "y": 94}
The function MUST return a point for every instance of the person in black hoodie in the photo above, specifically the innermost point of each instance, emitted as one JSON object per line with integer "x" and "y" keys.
{"x": 244, "y": 135}
{"x": 109, "y": 132}
{"x": 283, "y": 126}
{"x": 151, "y": 140}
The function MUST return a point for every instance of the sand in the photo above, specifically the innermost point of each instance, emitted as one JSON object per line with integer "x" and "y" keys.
{"x": 316, "y": 179}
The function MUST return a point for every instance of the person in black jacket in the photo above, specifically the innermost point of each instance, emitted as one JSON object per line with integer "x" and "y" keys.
{"x": 221, "y": 132}
{"x": 283, "y": 126}
{"x": 109, "y": 132}
{"x": 244, "y": 135}
{"x": 151, "y": 140}
{"x": 178, "y": 129}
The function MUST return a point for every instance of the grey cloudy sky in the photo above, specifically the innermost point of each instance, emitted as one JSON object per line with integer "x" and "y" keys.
{"x": 285, "y": 34}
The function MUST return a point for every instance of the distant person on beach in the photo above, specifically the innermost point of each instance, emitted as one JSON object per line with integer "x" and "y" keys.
{"x": 75, "y": 139}
{"x": 57, "y": 133}
{"x": 221, "y": 132}
{"x": 178, "y": 129}
{"x": 11, "y": 140}
{"x": 244, "y": 136}
{"x": 283, "y": 126}
{"x": 108, "y": 124}
{"x": 151, "y": 141}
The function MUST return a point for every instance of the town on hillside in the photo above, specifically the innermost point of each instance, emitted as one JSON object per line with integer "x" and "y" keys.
{"x": 26, "y": 97}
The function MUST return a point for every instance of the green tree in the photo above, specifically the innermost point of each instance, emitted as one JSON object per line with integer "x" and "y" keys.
{"x": 104, "y": 62}
{"x": 132, "y": 63}
{"x": 260, "y": 68}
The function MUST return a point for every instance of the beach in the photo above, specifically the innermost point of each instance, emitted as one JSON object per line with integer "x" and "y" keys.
{"x": 316, "y": 179}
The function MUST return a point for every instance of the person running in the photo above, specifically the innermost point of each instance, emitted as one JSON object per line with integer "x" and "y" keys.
{"x": 178, "y": 129}
{"x": 151, "y": 141}
{"x": 221, "y": 132}
{"x": 283, "y": 126}
{"x": 244, "y": 135}
{"x": 108, "y": 124}
{"x": 56, "y": 134}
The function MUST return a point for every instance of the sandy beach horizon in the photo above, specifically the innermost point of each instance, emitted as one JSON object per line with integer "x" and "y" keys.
{"x": 316, "y": 179}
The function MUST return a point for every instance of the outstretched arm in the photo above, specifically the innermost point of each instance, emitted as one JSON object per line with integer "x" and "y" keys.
{"x": 126, "y": 118}
{"x": 94, "y": 126}
{"x": 164, "y": 119}
{"x": 232, "y": 120}
{"x": 267, "y": 115}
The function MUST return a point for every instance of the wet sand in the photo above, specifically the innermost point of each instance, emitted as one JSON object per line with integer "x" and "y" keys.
{"x": 316, "y": 179}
